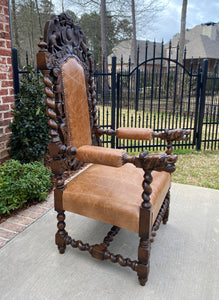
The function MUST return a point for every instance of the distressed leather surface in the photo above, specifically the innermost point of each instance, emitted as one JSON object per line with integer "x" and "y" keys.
{"x": 100, "y": 155}
{"x": 134, "y": 133}
{"x": 113, "y": 195}
{"x": 73, "y": 79}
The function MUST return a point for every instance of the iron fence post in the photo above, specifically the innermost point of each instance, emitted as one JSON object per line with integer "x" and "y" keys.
{"x": 117, "y": 105}
{"x": 113, "y": 95}
{"x": 137, "y": 89}
{"x": 202, "y": 103}
{"x": 197, "y": 105}
{"x": 15, "y": 72}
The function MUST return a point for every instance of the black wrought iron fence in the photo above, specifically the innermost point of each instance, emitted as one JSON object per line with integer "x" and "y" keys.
{"x": 158, "y": 93}
{"x": 210, "y": 129}
{"x": 161, "y": 93}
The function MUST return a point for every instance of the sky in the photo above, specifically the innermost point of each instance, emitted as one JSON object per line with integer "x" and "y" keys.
{"x": 167, "y": 23}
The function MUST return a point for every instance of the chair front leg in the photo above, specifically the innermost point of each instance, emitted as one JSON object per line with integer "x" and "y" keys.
{"x": 61, "y": 234}
{"x": 145, "y": 227}
{"x": 143, "y": 260}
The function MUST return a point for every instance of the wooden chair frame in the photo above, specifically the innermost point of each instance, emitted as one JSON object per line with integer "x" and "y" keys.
{"x": 63, "y": 39}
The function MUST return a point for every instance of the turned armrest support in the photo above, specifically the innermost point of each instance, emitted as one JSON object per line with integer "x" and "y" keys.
{"x": 100, "y": 155}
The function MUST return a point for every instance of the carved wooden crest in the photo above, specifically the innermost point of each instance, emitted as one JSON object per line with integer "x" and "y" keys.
{"x": 63, "y": 39}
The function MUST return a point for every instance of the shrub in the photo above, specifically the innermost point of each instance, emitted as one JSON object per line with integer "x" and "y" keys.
{"x": 30, "y": 131}
{"x": 21, "y": 183}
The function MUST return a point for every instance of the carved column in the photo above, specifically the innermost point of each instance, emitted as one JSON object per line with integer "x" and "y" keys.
{"x": 92, "y": 88}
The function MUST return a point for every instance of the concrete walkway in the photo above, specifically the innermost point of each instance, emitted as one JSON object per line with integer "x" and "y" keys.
{"x": 24, "y": 218}
{"x": 184, "y": 257}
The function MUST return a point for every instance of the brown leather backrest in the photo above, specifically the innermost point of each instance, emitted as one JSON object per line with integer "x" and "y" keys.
{"x": 76, "y": 103}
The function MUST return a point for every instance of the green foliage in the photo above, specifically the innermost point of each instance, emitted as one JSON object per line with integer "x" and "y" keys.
{"x": 21, "y": 183}
{"x": 117, "y": 30}
{"x": 30, "y": 136}
{"x": 28, "y": 18}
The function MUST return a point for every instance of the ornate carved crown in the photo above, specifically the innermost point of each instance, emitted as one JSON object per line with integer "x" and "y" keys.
{"x": 63, "y": 38}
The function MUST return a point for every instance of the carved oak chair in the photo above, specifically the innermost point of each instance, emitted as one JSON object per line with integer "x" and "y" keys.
{"x": 130, "y": 192}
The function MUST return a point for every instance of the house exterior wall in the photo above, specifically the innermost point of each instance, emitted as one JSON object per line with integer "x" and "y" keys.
{"x": 6, "y": 79}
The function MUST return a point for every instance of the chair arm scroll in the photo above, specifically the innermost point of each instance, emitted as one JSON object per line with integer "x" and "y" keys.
{"x": 152, "y": 161}
{"x": 173, "y": 135}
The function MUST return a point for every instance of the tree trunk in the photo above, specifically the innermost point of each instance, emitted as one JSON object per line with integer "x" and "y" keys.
{"x": 39, "y": 17}
{"x": 134, "y": 33}
{"x": 103, "y": 31}
{"x": 181, "y": 53}
{"x": 15, "y": 28}
{"x": 103, "y": 17}
{"x": 182, "y": 31}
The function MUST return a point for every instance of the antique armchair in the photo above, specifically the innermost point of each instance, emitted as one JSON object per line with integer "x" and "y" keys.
{"x": 130, "y": 192}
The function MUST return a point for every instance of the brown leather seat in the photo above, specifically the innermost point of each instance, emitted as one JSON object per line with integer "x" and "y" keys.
{"x": 113, "y": 195}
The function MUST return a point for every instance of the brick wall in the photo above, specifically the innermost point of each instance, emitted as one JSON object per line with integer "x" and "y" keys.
{"x": 6, "y": 79}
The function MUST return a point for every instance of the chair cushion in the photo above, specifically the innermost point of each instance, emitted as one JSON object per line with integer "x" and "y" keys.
{"x": 76, "y": 103}
{"x": 113, "y": 195}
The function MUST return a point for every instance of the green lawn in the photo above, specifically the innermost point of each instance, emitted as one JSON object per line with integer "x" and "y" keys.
{"x": 198, "y": 168}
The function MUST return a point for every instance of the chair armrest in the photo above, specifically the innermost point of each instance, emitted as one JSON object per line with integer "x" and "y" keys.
{"x": 134, "y": 133}
{"x": 100, "y": 155}
{"x": 117, "y": 158}
{"x": 147, "y": 134}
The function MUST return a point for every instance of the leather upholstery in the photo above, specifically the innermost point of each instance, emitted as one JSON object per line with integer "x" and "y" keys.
{"x": 100, "y": 155}
{"x": 134, "y": 133}
{"x": 113, "y": 195}
{"x": 75, "y": 93}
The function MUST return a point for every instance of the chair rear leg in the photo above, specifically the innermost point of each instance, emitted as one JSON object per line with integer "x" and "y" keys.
{"x": 61, "y": 233}
{"x": 166, "y": 215}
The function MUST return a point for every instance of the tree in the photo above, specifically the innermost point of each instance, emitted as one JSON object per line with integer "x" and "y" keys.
{"x": 15, "y": 31}
{"x": 182, "y": 31}
{"x": 39, "y": 16}
{"x": 103, "y": 33}
{"x": 140, "y": 12}
{"x": 134, "y": 32}
{"x": 28, "y": 19}
{"x": 117, "y": 30}
{"x": 46, "y": 10}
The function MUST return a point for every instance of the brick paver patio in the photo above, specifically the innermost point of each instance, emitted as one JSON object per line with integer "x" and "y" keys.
{"x": 14, "y": 225}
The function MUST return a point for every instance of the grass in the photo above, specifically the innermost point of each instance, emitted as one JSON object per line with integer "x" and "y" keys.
{"x": 200, "y": 168}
